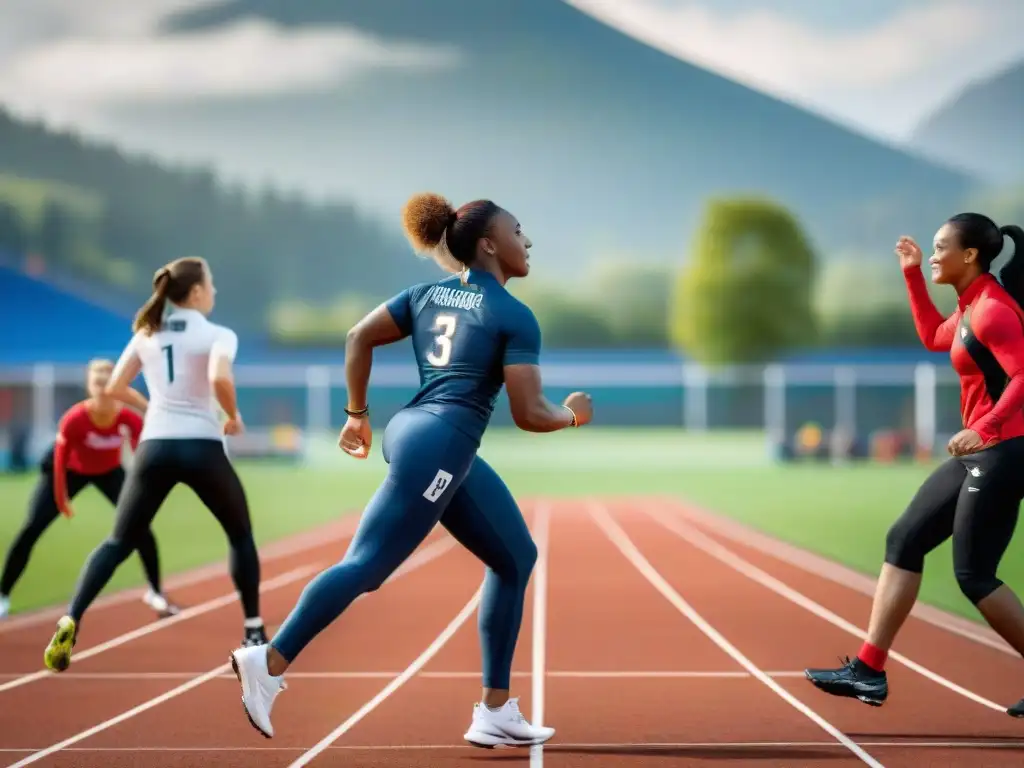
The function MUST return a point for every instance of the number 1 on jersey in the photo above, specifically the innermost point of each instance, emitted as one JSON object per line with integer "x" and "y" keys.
{"x": 446, "y": 324}
{"x": 169, "y": 351}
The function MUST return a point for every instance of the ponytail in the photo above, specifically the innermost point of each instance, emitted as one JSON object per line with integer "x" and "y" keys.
{"x": 150, "y": 316}
{"x": 1012, "y": 274}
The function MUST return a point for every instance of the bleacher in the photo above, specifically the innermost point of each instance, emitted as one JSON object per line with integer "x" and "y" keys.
{"x": 43, "y": 322}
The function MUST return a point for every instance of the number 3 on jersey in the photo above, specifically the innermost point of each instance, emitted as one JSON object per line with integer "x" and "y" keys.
{"x": 443, "y": 354}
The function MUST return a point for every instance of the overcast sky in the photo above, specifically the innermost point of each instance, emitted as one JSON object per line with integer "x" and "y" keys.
{"x": 879, "y": 65}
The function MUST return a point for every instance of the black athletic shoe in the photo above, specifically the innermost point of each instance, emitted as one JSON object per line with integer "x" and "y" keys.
{"x": 1017, "y": 710}
{"x": 855, "y": 680}
{"x": 254, "y": 636}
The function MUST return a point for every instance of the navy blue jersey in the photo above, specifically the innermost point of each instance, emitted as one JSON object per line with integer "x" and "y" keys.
{"x": 463, "y": 336}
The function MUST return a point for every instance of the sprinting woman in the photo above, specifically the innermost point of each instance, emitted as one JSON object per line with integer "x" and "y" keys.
{"x": 975, "y": 495}
{"x": 469, "y": 337}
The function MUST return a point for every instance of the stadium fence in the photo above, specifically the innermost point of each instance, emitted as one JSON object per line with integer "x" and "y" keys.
{"x": 283, "y": 404}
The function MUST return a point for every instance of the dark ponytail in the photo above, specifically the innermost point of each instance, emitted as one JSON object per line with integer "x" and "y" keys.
{"x": 1012, "y": 273}
{"x": 172, "y": 282}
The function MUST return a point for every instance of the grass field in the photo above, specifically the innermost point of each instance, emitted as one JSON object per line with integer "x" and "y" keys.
{"x": 840, "y": 512}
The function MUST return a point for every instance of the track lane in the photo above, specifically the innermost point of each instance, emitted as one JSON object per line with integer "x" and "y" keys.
{"x": 743, "y": 608}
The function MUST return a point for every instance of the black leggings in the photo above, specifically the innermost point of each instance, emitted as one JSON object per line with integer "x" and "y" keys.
{"x": 42, "y": 511}
{"x": 975, "y": 499}
{"x": 159, "y": 466}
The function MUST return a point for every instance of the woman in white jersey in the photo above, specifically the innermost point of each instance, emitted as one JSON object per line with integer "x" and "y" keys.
{"x": 187, "y": 363}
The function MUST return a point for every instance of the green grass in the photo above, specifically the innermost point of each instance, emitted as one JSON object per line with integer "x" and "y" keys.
{"x": 839, "y": 512}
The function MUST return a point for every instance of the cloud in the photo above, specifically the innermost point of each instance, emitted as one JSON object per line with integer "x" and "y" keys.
{"x": 882, "y": 77}
{"x": 246, "y": 58}
{"x": 66, "y": 60}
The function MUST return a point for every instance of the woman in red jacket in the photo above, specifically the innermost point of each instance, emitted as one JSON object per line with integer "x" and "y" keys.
{"x": 87, "y": 451}
{"x": 973, "y": 497}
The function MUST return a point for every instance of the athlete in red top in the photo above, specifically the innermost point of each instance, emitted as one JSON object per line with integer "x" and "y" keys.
{"x": 87, "y": 451}
{"x": 985, "y": 339}
{"x": 89, "y": 442}
{"x": 973, "y": 497}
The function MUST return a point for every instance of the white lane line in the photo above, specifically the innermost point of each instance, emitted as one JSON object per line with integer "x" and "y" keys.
{"x": 428, "y": 554}
{"x": 835, "y": 572}
{"x": 283, "y": 579}
{"x": 625, "y": 545}
{"x": 418, "y": 663}
{"x": 721, "y": 553}
{"x": 443, "y": 675}
{"x": 298, "y": 543}
{"x": 572, "y": 746}
{"x": 542, "y": 538}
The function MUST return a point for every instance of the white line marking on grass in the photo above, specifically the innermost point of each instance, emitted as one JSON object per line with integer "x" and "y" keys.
{"x": 625, "y": 545}
{"x": 721, "y": 553}
{"x": 283, "y": 579}
{"x": 428, "y": 554}
{"x": 418, "y": 663}
{"x": 542, "y": 538}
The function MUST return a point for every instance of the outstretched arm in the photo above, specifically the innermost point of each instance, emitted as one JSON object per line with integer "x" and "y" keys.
{"x": 935, "y": 331}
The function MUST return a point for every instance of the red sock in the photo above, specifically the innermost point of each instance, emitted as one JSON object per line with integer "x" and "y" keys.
{"x": 873, "y": 656}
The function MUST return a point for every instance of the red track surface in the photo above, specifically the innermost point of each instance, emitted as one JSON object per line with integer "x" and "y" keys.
{"x": 661, "y": 641}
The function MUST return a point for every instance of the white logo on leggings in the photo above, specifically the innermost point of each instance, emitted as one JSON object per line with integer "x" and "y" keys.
{"x": 437, "y": 486}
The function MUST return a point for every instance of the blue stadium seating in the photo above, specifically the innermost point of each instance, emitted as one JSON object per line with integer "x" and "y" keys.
{"x": 43, "y": 323}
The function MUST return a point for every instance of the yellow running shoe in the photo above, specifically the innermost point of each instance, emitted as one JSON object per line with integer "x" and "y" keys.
{"x": 58, "y": 652}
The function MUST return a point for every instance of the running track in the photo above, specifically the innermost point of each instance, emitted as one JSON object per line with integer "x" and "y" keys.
{"x": 653, "y": 635}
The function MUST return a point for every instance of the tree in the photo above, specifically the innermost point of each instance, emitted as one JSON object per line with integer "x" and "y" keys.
{"x": 746, "y": 294}
{"x": 633, "y": 300}
{"x": 567, "y": 321}
{"x": 56, "y": 233}
{"x": 862, "y": 302}
{"x": 13, "y": 235}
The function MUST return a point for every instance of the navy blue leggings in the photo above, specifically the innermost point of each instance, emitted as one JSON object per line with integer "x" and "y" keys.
{"x": 434, "y": 475}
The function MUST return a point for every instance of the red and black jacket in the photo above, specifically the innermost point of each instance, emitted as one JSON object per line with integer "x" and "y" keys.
{"x": 985, "y": 341}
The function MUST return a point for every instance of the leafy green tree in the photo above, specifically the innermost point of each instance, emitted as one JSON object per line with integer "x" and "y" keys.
{"x": 746, "y": 294}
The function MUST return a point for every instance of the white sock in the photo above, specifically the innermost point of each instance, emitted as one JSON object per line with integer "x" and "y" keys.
{"x": 254, "y": 623}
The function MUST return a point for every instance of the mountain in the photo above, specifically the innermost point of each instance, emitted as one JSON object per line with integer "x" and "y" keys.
{"x": 600, "y": 144}
{"x": 102, "y": 217}
{"x": 979, "y": 129}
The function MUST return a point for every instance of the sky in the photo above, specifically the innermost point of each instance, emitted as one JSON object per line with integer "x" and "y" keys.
{"x": 879, "y": 66}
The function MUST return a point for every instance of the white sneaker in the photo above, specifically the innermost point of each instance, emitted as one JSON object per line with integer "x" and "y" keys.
{"x": 259, "y": 687}
{"x": 506, "y": 726}
{"x": 5, "y": 606}
{"x": 160, "y": 604}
